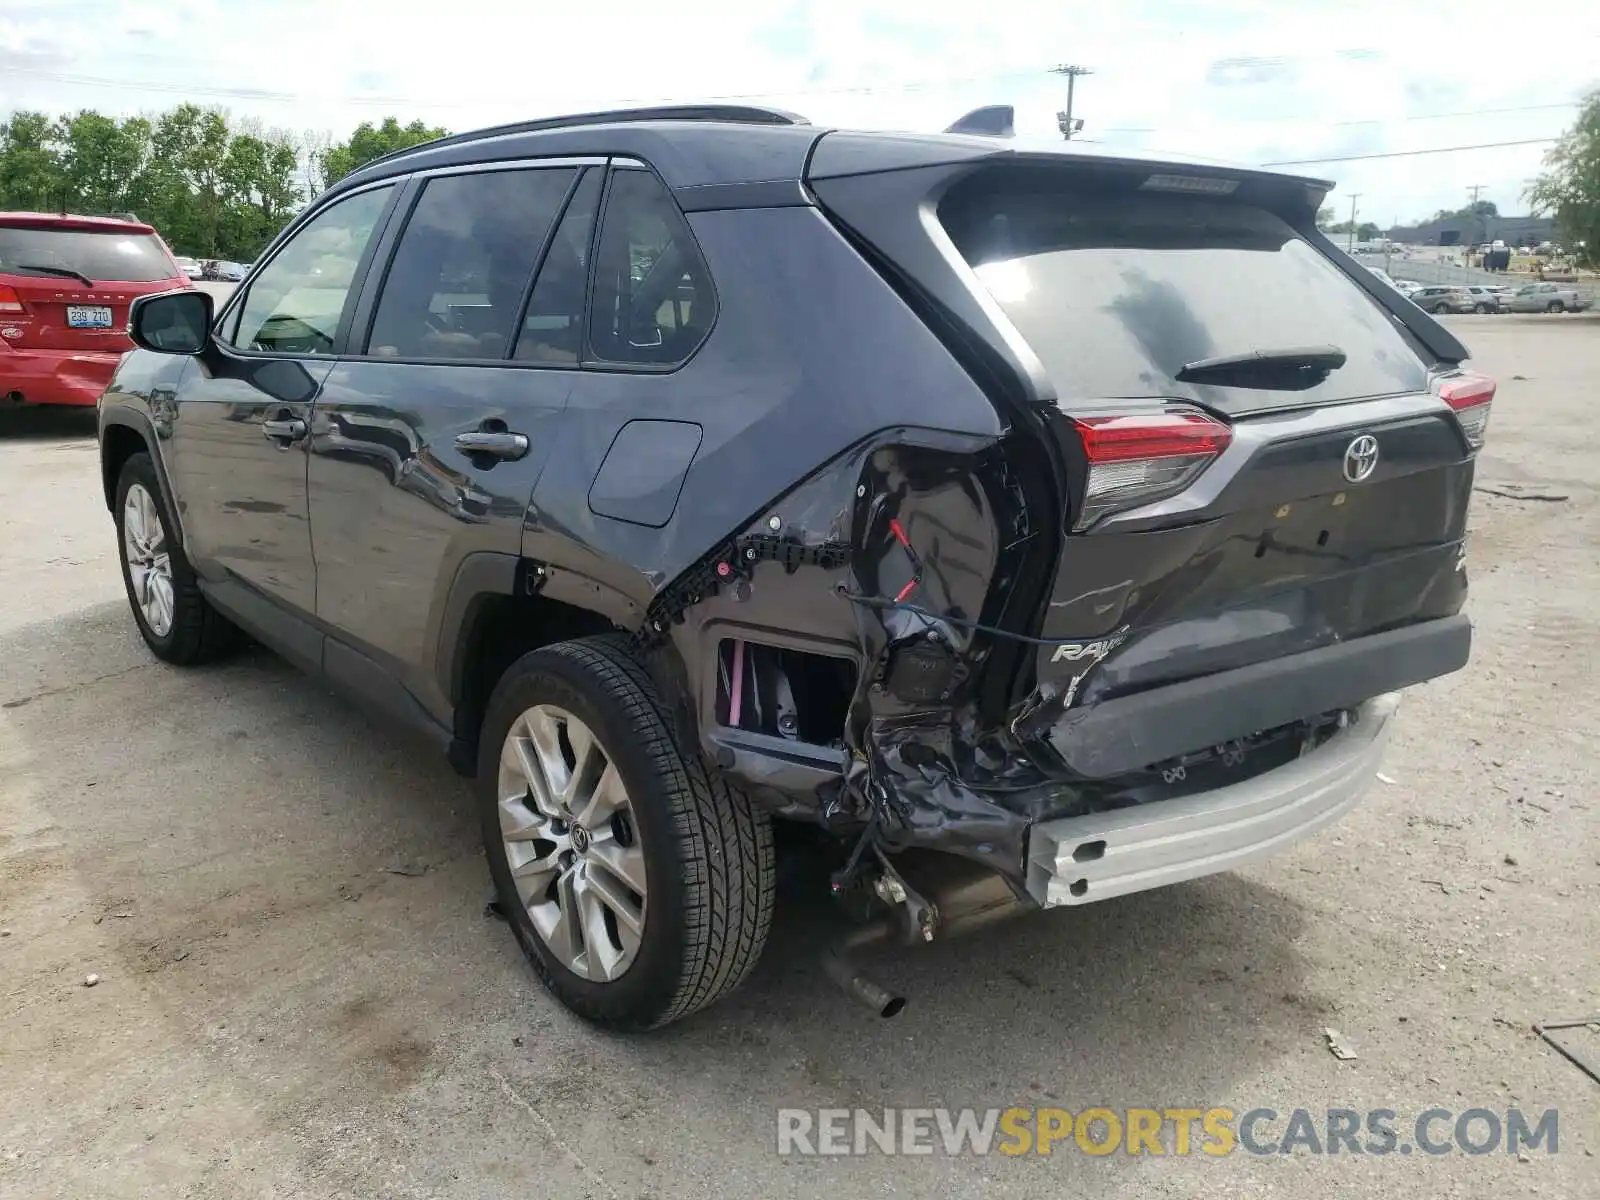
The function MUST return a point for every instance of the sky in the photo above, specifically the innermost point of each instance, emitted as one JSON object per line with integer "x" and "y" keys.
{"x": 1260, "y": 82}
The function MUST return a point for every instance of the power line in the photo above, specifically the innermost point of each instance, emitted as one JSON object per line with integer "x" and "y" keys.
{"x": 261, "y": 94}
{"x": 1398, "y": 120}
{"x": 1471, "y": 112}
{"x": 1310, "y": 162}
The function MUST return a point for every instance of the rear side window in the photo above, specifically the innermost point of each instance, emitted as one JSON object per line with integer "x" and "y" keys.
{"x": 464, "y": 262}
{"x": 1117, "y": 290}
{"x": 104, "y": 257}
{"x": 653, "y": 303}
{"x": 552, "y": 328}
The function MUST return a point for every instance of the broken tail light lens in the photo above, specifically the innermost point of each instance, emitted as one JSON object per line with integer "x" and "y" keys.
{"x": 10, "y": 302}
{"x": 1137, "y": 458}
{"x": 1470, "y": 396}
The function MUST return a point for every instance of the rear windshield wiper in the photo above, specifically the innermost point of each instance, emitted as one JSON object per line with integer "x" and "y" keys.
{"x": 1290, "y": 369}
{"x": 64, "y": 272}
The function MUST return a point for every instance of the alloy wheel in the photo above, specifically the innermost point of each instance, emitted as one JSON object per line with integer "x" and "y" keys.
{"x": 571, "y": 843}
{"x": 144, "y": 548}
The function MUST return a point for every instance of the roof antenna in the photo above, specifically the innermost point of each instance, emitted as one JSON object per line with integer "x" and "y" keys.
{"x": 994, "y": 120}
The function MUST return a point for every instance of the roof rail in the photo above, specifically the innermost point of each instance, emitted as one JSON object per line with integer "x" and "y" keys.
{"x": 740, "y": 114}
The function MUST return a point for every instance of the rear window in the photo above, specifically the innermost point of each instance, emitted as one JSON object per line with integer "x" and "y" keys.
{"x": 1116, "y": 291}
{"x": 104, "y": 257}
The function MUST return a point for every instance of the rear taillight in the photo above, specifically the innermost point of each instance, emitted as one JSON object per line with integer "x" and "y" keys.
{"x": 1470, "y": 396}
{"x": 1137, "y": 458}
{"x": 10, "y": 302}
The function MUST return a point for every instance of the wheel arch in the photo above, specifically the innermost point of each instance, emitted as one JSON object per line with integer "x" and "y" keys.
{"x": 124, "y": 433}
{"x": 501, "y": 606}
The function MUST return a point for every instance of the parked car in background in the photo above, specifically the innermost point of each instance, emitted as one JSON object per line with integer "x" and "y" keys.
{"x": 1548, "y": 297}
{"x": 588, "y": 512}
{"x": 189, "y": 266}
{"x": 1485, "y": 299}
{"x": 65, "y": 286}
{"x": 1436, "y": 299}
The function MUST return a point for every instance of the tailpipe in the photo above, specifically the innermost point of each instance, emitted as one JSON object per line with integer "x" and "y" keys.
{"x": 861, "y": 989}
{"x": 954, "y": 896}
{"x": 839, "y": 966}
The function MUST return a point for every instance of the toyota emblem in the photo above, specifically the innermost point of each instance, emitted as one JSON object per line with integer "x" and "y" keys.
{"x": 1360, "y": 458}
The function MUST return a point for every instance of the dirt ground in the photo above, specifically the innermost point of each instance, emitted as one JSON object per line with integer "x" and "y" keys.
{"x": 299, "y": 994}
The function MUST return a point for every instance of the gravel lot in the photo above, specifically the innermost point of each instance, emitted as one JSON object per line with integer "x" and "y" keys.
{"x": 280, "y": 1013}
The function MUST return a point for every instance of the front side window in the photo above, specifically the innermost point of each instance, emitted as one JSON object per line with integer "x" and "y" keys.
{"x": 463, "y": 264}
{"x": 294, "y": 304}
{"x": 653, "y": 303}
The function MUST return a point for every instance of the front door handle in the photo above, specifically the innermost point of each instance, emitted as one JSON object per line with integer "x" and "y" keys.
{"x": 285, "y": 429}
{"x": 507, "y": 446}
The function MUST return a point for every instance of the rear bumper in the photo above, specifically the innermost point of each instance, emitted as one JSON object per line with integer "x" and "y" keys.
{"x": 1076, "y": 860}
{"x": 1129, "y": 733}
{"x": 56, "y": 376}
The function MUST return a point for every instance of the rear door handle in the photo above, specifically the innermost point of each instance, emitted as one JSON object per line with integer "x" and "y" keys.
{"x": 508, "y": 446}
{"x": 287, "y": 429}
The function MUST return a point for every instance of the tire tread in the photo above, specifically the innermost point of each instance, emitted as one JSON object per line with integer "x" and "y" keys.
{"x": 724, "y": 842}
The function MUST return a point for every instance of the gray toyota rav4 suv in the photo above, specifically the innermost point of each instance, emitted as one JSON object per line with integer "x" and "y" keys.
{"x": 1035, "y": 524}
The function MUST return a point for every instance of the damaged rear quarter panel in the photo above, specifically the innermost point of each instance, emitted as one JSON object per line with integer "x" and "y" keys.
{"x": 811, "y": 352}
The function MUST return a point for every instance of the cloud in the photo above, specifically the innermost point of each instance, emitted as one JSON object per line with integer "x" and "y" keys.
{"x": 1229, "y": 72}
{"x": 1231, "y": 79}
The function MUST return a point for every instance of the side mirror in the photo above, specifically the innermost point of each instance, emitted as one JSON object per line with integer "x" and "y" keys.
{"x": 171, "y": 322}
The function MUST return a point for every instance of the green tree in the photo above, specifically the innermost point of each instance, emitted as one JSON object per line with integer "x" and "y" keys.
{"x": 102, "y": 160}
{"x": 1569, "y": 187}
{"x": 31, "y": 175}
{"x": 1325, "y": 216}
{"x": 370, "y": 142}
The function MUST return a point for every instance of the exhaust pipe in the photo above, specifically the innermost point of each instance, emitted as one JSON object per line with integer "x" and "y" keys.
{"x": 837, "y": 966}
{"x": 962, "y": 896}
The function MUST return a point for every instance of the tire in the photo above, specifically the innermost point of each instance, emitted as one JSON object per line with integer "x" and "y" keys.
{"x": 1481, "y": 309}
{"x": 193, "y": 632}
{"x": 707, "y": 854}
{"x": 1555, "y": 306}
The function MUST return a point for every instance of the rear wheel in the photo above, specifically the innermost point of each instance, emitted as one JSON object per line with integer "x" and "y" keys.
{"x": 1481, "y": 308}
{"x": 177, "y": 622}
{"x": 637, "y": 881}
{"x": 1555, "y": 306}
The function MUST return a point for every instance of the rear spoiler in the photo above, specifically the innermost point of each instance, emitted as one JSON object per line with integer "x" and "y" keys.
{"x": 1440, "y": 342}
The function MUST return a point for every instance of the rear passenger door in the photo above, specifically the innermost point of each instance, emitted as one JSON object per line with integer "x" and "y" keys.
{"x": 429, "y": 435}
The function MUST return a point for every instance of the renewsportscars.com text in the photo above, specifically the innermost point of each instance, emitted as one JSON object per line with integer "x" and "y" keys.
{"x": 1214, "y": 1132}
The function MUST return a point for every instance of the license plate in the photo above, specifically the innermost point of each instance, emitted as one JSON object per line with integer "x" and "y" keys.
{"x": 88, "y": 316}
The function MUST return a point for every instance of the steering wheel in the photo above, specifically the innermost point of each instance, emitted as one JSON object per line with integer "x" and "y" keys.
{"x": 437, "y": 323}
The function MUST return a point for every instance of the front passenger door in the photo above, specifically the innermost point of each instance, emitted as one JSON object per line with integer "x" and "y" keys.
{"x": 242, "y": 414}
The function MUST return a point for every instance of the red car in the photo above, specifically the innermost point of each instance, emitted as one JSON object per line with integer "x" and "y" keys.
{"x": 65, "y": 286}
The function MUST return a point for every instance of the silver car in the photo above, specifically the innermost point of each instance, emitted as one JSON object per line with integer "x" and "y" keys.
{"x": 1486, "y": 299}
{"x": 1437, "y": 298}
{"x": 1548, "y": 297}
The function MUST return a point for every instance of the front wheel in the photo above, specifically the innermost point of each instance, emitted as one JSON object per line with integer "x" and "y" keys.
{"x": 638, "y": 882}
{"x": 174, "y": 617}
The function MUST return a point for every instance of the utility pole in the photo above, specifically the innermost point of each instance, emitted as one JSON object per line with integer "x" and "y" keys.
{"x": 1480, "y": 224}
{"x": 1064, "y": 120}
{"x": 1350, "y": 246}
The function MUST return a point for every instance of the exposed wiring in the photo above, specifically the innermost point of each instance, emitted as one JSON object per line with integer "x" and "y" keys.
{"x": 885, "y": 604}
